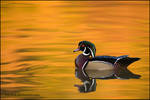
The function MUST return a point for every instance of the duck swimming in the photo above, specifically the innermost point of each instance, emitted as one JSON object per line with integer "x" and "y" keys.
{"x": 103, "y": 66}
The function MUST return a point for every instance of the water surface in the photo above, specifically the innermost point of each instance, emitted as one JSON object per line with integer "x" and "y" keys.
{"x": 37, "y": 40}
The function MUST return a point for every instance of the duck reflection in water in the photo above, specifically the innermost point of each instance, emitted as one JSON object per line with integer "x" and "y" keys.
{"x": 90, "y": 67}
{"x": 89, "y": 84}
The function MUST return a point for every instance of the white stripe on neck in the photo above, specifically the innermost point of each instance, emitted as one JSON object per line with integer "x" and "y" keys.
{"x": 92, "y": 52}
{"x": 85, "y": 53}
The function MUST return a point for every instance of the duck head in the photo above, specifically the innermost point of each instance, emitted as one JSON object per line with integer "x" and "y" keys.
{"x": 87, "y": 48}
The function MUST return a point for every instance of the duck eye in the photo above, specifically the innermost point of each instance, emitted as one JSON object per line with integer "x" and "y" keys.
{"x": 83, "y": 45}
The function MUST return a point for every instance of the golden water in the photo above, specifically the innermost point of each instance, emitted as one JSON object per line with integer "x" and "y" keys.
{"x": 37, "y": 40}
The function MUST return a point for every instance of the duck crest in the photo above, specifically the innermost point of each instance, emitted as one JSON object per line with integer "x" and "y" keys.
{"x": 80, "y": 60}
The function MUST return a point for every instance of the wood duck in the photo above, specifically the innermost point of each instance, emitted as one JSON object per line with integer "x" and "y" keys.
{"x": 103, "y": 66}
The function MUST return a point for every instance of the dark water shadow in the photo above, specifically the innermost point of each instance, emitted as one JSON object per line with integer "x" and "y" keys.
{"x": 5, "y": 63}
{"x": 40, "y": 49}
{"x": 52, "y": 57}
{"x": 38, "y": 30}
{"x": 17, "y": 92}
{"x": 27, "y": 77}
{"x": 26, "y": 72}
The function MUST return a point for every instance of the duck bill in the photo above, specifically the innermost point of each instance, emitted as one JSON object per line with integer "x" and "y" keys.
{"x": 76, "y": 50}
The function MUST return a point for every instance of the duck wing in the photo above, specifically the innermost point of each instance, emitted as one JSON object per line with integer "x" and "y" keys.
{"x": 126, "y": 61}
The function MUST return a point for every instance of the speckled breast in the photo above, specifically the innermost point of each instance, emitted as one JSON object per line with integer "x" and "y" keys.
{"x": 80, "y": 60}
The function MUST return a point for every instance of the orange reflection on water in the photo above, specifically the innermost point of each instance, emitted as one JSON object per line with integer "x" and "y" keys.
{"x": 38, "y": 39}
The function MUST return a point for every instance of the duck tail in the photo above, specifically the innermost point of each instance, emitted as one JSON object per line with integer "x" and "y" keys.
{"x": 121, "y": 70}
{"x": 126, "y": 61}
